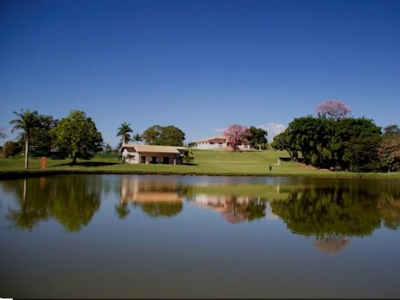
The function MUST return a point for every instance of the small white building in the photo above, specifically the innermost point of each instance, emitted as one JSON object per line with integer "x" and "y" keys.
{"x": 217, "y": 142}
{"x": 150, "y": 154}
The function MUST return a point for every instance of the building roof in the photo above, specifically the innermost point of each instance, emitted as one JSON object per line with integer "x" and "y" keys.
{"x": 151, "y": 148}
{"x": 219, "y": 137}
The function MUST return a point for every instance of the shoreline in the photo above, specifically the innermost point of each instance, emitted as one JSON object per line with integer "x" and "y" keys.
{"x": 10, "y": 175}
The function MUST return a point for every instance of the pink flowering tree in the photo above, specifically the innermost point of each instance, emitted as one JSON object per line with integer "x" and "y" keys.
{"x": 236, "y": 134}
{"x": 335, "y": 109}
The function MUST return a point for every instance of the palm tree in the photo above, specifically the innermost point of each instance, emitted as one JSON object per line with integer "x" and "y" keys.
{"x": 138, "y": 138}
{"x": 26, "y": 121}
{"x": 123, "y": 131}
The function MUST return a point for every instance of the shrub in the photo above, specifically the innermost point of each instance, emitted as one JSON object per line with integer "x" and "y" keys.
{"x": 11, "y": 148}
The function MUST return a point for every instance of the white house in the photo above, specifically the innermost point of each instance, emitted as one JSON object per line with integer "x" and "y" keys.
{"x": 150, "y": 154}
{"x": 217, "y": 142}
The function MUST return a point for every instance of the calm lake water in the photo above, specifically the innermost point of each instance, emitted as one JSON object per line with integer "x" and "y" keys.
{"x": 128, "y": 236}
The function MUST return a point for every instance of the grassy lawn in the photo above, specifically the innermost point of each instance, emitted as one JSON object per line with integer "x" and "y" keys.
{"x": 207, "y": 162}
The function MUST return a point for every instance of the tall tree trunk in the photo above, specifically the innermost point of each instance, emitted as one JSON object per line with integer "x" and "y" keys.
{"x": 26, "y": 151}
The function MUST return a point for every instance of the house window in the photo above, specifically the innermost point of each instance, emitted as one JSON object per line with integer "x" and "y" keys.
{"x": 143, "y": 159}
{"x": 129, "y": 157}
{"x": 153, "y": 160}
{"x": 211, "y": 143}
{"x": 219, "y": 144}
{"x": 165, "y": 160}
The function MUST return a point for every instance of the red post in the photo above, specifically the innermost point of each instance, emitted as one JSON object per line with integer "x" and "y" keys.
{"x": 43, "y": 162}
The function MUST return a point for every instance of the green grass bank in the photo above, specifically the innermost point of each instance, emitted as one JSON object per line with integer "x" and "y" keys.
{"x": 207, "y": 162}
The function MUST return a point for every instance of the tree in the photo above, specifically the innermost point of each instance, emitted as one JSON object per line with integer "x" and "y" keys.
{"x": 357, "y": 135}
{"x": 41, "y": 137}
{"x": 282, "y": 142}
{"x": 11, "y": 148}
{"x": 152, "y": 135}
{"x": 137, "y": 138}
{"x": 108, "y": 148}
{"x": 26, "y": 121}
{"x": 362, "y": 154}
{"x": 165, "y": 136}
{"x": 335, "y": 109}
{"x": 77, "y": 135}
{"x": 172, "y": 136}
{"x": 258, "y": 138}
{"x": 391, "y": 129}
{"x": 389, "y": 149}
{"x": 188, "y": 156}
{"x": 236, "y": 134}
{"x": 123, "y": 132}
{"x": 331, "y": 143}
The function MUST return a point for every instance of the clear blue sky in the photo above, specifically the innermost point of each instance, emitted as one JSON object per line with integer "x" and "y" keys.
{"x": 198, "y": 65}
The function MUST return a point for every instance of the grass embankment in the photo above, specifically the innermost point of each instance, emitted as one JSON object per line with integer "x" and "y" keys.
{"x": 207, "y": 162}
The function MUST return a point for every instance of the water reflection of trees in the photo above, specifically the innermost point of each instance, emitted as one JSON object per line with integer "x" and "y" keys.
{"x": 157, "y": 209}
{"x": 331, "y": 211}
{"x": 389, "y": 209}
{"x": 334, "y": 214}
{"x": 155, "y": 198}
{"x": 71, "y": 200}
{"x": 331, "y": 243}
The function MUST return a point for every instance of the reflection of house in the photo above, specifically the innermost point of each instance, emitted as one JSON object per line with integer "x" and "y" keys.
{"x": 219, "y": 203}
{"x": 150, "y": 154}
{"x": 217, "y": 142}
{"x": 136, "y": 190}
{"x": 223, "y": 204}
{"x": 150, "y": 196}
{"x": 226, "y": 205}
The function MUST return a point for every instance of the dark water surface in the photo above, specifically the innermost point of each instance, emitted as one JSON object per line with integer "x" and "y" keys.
{"x": 129, "y": 236}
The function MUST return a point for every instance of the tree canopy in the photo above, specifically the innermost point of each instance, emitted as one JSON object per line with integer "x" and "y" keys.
{"x": 389, "y": 149}
{"x": 331, "y": 143}
{"x": 334, "y": 109}
{"x": 258, "y": 138}
{"x": 123, "y": 132}
{"x": 164, "y": 136}
{"x": 41, "y": 137}
{"x": 137, "y": 138}
{"x": 77, "y": 135}
{"x": 236, "y": 134}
